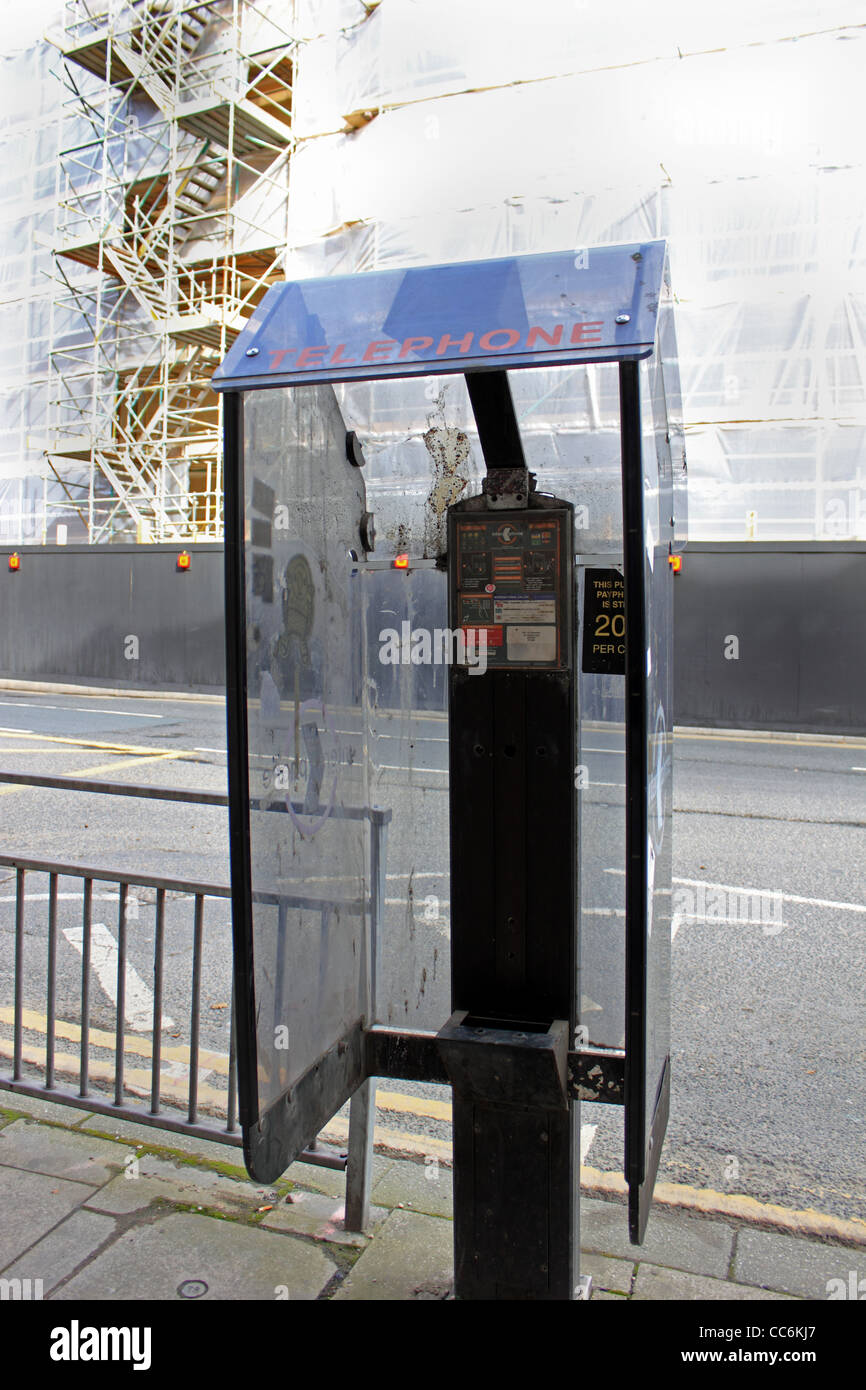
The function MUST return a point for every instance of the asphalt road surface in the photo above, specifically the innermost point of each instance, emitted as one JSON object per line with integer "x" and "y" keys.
{"x": 768, "y": 1039}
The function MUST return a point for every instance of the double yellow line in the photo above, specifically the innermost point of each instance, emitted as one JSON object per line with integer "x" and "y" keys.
{"x": 142, "y": 755}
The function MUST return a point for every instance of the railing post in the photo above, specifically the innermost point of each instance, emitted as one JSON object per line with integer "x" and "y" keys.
{"x": 359, "y": 1168}
{"x": 17, "y": 1046}
{"x": 51, "y": 993}
{"x": 362, "y": 1108}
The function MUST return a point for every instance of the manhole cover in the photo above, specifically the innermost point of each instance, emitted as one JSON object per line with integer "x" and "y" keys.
{"x": 192, "y": 1288}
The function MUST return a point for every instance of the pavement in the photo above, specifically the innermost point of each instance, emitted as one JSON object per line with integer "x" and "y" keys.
{"x": 102, "y": 1209}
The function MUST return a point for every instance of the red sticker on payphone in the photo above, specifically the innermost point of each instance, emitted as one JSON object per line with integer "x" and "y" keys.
{"x": 494, "y": 635}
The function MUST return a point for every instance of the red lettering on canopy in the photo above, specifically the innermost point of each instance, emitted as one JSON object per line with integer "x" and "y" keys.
{"x": 554, "y": 338}
{"x": 337, "y": 358}
{"x": 511, "y": 334}
{"x": 462, "y": 344}
{"x": 378, "y": 351}
{"x": 589, "y": 332}
{"x": 308, "y": 357}
{"x": 278, "y": 355}
{"x": 415, "y": 345}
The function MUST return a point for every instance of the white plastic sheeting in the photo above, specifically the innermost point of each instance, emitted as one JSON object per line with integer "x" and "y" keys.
{"x": 490, "y": 128}
{"x": 493, "y": 129}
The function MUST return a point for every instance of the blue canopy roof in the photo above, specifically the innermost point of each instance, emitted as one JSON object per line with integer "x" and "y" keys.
{"x": 593, "y": 305}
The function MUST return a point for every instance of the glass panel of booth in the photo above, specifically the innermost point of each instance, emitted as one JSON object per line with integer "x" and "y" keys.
{"x": 660, "y": 525}
{"x": 422, "y": 452}
{"x": 347, "y": 691}
{"x": 309, "y": 826}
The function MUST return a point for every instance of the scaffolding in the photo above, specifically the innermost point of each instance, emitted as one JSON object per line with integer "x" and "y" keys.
{"x": 419, "y": 132}
{"x": 172, "y": 183}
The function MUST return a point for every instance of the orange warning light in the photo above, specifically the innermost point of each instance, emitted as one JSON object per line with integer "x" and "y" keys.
{"x": 675, "y": 562}
{"x": 401, "y": 561}
{"x": 15, "y": 561}
{"x": 183, "y": 560}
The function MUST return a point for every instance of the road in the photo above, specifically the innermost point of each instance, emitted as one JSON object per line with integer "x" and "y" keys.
{"x": 768, "y": 1039}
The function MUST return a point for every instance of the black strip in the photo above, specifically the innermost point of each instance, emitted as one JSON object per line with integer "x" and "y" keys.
{"x": 493, "y": 408}
{"x": 238, "y": 759}
{"x": 636, "y": 775}
{"x": 640, "y": 1195}
{"x": 409, "y": 1056}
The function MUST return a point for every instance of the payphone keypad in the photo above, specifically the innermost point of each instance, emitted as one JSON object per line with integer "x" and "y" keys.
{"x": 509, "y": 575}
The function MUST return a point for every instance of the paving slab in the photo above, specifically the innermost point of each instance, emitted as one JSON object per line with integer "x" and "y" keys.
{"x": 675, "y": 1285}
{"x": 673, "y": 1240}
{"x": 412, "y": 1258}
{"x": 151, "y": 1178}
{"x": 68, "y": 1115}
{"x": 205, "y": 1257}
{"x": 613, "y": 1276}
{"x": 58, "y": 1254}
{"x": 807, "y": 1268}
{"x": 330, "y": 1180}
{"x": 314, "y": 1214}
{"x": 423, "y": 1187}
{"x": 131, "y": 1132}
{"x": 32, "y": 1203}
{"x": 40, "y": 1148}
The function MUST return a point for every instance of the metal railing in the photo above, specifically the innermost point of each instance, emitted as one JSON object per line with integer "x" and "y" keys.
{"x": 86, "y": 1096}
{"x": 357, "y": 1154}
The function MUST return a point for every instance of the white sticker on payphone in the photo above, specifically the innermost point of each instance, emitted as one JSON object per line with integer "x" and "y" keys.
{"x": 530, "y": 643}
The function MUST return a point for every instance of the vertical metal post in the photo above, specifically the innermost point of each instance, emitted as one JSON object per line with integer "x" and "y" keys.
{"x": 232, "y": 1101}
{"x": 17, "y": 1045}
{"x": 51, "y": 999}
{"x": 85, "y": 985}
{"x": 513, "y": 930}
{"x": 362, "y": 1107}
{"x": 158, "y": 945}
{"x": 195, "y": 1005}
{"x": 120, "y": 1016}
{"x": 359, "y": 1167}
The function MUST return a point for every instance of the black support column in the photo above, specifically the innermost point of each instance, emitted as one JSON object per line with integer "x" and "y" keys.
{"x": 513, "y": 915}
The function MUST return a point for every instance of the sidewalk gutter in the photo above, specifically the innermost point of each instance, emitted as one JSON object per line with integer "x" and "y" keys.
{"x": 595, "y": 1182}
{"x": 129, "y": 692}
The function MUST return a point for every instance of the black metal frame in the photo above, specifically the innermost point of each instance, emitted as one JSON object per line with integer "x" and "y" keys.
{"x": 642, "y": 1150}
{"x": 238, "y": 770}
{"x": 597, "y": 1074}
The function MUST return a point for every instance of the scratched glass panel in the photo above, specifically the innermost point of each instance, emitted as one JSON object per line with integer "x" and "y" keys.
{"x": 659, "y": 581}
{"x": 408, "y": 752}
{"x": 309, "y": 820}
{"x": 569, "y": 422}
{"x": 421, "y": 453}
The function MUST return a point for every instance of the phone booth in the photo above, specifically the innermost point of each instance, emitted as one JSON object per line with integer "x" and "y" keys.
{"x": 453, "y": 493}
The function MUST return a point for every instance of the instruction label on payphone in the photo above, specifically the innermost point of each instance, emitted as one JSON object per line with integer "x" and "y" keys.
{"x": 604, "y": 622}
{"x": 510, "y": 573}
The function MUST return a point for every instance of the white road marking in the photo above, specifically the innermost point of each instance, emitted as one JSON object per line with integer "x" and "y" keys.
{"x": 421, "y": 873}
{"x": 398, "y": 767}
{"x": 61, "y": 897}
{"x": 103, "y": 959}
{"x": 587, "y": 1134}
{"x": 786, "y": 897}
{"x": 80, "y": 709}
{"x": 742, "y": 888}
